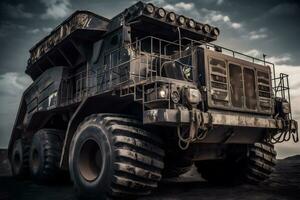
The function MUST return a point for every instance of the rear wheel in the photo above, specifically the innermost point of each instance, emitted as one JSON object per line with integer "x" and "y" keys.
{"x": 254, "y": 165}
{"x": 45, "y": 154}
{"x": 111, "y": 155}
{"x": 20, "y": 158}
{"x": 261, "y": 162}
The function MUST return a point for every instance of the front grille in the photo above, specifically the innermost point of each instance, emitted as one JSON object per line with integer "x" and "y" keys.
{"x": 218, "y": 76}
{"x": 238, "y": 87}
{"x": 250, "y": 90}
{"x": 263, "y": 82}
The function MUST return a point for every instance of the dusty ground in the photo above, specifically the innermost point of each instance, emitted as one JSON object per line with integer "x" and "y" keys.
{"x": 284, "y": 184}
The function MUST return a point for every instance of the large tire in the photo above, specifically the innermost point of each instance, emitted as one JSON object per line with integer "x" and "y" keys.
{"x": 254, "y": 166}
{"x": 20, "y": 158}
{"x": 261, "y": 162}
{"x": 45, "y": 155}
{"x": 112, "y": 156}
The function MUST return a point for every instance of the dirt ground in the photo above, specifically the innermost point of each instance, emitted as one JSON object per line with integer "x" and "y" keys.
{"x": 283, "y": 184}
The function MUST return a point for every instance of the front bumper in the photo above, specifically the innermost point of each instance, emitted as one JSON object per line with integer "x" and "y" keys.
{"x": 175, "y": 117}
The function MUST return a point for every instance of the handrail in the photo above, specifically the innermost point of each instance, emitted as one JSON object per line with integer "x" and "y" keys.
{"x": 153, "y": 69}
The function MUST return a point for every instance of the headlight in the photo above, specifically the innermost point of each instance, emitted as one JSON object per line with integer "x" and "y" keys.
{"x": 161, "y": 12}
{"x": 286, "y": 109}
{"x": 149, "y": 8}
{"x": 175, "y": 96}
{"x": 163, "y": 93}
{"x": 181, "y": 20}
{"x": 215, "y": 31}
{"x": 171, "y": 17}
{"x": 199, "y": 27}
{"x": 206, "y": 28}
{"x": 193, "y": 95}
{"x": 191, "y": 23}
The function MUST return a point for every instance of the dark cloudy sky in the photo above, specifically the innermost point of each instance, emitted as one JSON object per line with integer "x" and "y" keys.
{"x": 254, "y": 27}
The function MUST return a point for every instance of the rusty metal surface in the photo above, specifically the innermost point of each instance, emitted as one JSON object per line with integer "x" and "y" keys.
{"x": 242, "y": 120}
{"x": 174, "y": 117}
{"x": 78, "y": 20}
{"x": 263, "y": 104}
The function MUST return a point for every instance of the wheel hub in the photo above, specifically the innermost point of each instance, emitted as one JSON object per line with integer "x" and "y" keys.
{"x": 90, "y": 160}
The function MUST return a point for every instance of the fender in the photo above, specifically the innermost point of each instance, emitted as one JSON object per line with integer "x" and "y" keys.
{"x": 91, "y": 105}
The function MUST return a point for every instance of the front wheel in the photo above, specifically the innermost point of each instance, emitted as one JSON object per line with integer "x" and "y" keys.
{"x": 110, "y": 155}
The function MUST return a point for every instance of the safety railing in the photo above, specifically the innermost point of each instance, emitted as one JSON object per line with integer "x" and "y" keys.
{"x": 282, "y": 88}
{"x": 280, "y": 83}
{"x": 148, "y": 55}
{"x": 145, "y": 62}
{"x": 74, "y": 88}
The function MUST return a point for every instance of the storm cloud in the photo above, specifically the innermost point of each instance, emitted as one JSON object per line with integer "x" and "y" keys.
{"x": 255, "y": 27}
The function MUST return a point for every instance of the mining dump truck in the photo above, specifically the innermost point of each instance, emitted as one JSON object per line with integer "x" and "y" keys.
{"x": 121, "y": 103}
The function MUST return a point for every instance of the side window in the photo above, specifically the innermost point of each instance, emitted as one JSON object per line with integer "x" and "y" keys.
{"x": 115, "y": 57}
{"x": 236, "y": 85}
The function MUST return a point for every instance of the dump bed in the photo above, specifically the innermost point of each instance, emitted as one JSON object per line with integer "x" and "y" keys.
{"x": 61, "y": 45}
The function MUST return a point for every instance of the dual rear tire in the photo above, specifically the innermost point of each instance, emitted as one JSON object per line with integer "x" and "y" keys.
{"x": 20, "y": 158}
{"x": 38, "y": 158}
{"x": 44, "y": 155}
